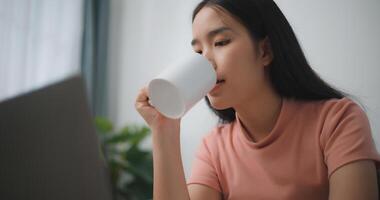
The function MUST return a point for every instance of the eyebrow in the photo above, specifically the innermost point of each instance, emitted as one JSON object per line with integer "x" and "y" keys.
{"x": 213, "y": 33}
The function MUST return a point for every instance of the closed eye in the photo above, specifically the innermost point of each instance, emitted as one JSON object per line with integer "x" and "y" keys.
{"x": 219, "y": 43}
{"x": 222, "y": 43}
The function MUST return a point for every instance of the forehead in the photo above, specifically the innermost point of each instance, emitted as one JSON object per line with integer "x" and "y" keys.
{"x": 210, "y": 18}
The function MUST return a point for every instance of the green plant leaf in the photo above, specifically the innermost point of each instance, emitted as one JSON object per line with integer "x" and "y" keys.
{"x": 103, "y": 125}
{"x": 118, "y": 138}
{"x": 135, "y": 155}
{"x": 139, "y": 134}
{"x": 122, "y": 152}
{"x": 140, "y": 173}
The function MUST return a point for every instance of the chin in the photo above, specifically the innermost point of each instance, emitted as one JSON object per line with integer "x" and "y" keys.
{"x": 218, "y": 103}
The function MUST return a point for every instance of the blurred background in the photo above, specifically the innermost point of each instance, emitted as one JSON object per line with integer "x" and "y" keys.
{"x": 119, "y": 45}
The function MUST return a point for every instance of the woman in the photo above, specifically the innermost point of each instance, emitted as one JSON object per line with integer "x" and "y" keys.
{"x": 284, "y": 133}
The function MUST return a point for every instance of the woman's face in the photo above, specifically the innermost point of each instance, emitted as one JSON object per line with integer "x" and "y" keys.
{"x": 226, "y": 43}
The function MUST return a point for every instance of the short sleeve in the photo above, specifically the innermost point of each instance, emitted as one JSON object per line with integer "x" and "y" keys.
{"x": 347, "y": 136}
{"x": 203, "y": 169}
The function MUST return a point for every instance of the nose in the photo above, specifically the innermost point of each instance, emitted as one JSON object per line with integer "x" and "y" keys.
{"x": 208, "y": 55}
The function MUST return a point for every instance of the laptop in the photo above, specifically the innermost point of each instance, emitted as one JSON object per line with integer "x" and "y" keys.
{"x": 49, "y": 149}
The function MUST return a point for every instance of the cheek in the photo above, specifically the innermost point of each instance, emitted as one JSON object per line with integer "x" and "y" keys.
{"x": 239, "y": 60}
{"x": 228, "y": 58}
{"x": 239, "y": 66}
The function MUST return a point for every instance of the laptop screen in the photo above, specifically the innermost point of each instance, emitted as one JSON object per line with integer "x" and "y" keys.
{"x": 48, "y": 146}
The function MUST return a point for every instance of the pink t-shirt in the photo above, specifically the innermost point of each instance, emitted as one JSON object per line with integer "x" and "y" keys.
{"x": 310, "y": 140}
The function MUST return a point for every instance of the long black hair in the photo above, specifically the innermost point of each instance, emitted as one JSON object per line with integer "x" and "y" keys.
{"x": 289, "y": 72}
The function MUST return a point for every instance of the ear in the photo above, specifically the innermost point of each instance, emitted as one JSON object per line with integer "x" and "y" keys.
{"x": 266, "y": 54}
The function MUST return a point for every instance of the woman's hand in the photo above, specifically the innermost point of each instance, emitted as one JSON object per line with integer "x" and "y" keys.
{"x": 155, "y": 120}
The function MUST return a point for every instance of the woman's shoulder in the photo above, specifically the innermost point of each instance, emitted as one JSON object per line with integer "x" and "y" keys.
{"x": 219, "y": 133}
{"x": 340, "y": 108}
{"x": 337, "y": 117}
{"x": 329, "y": 108}
{"x": 339, "y": 103}
{"x": 327, "y": 116}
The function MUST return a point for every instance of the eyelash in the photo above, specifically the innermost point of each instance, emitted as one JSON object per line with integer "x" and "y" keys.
{"x": 220, "y": 43}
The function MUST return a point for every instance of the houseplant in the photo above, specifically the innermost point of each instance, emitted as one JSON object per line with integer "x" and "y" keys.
{"x": 130, "y": 166}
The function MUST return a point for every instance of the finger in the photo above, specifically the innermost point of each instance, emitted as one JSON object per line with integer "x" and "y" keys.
{"x": 142, "y": 96}
{"x": 142, "y": 104}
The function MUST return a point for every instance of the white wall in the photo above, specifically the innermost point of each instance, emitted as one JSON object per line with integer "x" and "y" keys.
{"x": 40, "y": 43}
{"x": 341, "y": 42}
{"x": 340, "y": 39}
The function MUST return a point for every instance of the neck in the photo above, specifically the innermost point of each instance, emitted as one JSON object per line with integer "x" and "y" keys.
{"x": 259, "y": 116}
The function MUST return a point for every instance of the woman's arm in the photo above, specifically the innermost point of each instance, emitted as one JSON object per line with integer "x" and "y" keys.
{"x": 356, "y": 180}
{"x": 169, "y": 179}
{"x": 202, "y": 192}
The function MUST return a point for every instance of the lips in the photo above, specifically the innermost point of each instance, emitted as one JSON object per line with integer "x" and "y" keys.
{"x": 220, "y": 81}
{"x": 218, "y": 84}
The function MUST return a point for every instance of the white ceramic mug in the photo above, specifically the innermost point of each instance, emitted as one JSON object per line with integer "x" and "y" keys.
{"x": 180, "y": 86}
